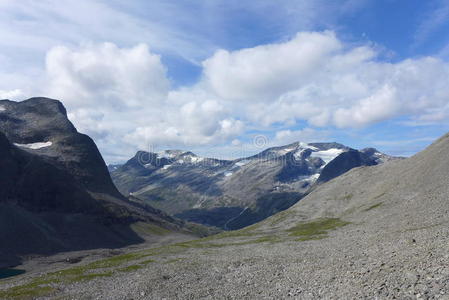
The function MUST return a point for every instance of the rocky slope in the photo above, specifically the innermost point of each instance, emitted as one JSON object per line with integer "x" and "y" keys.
{"x": 232, "y": 194}
{"x": 377, "y": 232}
{"x": 56, "y": 193}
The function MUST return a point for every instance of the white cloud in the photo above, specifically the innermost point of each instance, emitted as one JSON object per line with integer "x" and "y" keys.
{"x": 288, "y": 136}
{"x": 317, "y": 78}
{"x": 265, "y": 72}
{"x": 97, "y": 75}
{"x": 123, "y": 94}
{"x": 16, "y": 94}
{"x": 374, "y": 108}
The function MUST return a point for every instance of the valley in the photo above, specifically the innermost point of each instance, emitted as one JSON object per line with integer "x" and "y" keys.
{"x": 232, "y": 194}
{"x": 376, "y": 231}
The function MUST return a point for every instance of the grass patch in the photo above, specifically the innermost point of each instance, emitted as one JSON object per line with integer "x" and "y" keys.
{"x": 380, "y": 195}
{"x": 373, "y": 206}
{"x": 316, "y": 229}
{"x": 34, "y": 289}
{"x": 422, "y": 227}
{"x": 280, "y": 217}
{"x": 117, "y": 260}
{"x": 145, "y": 228}
{"x": 312, "y": 238}
{"x": 148, "y": 261}
{"x": 42, "y": 286}
{"x": 201, "y": 244}
{"x": 45, "y": 285}
{"x": 87, "y": 277}
{"x": 347, "y": 197}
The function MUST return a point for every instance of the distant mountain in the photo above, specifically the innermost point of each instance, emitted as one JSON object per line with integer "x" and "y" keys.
{"x": 232, "y": 194}
{"x": 56, "y": 193}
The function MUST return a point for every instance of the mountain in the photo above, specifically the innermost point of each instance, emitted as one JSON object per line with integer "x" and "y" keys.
{"x": 375, "y": 232}
{"x": 232, "y": 194}
{"x": 56, "y": 193}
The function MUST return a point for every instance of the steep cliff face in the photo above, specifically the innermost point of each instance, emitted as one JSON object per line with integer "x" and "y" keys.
{"x": 56, "y": 193}
{"x": 40, "y": 126}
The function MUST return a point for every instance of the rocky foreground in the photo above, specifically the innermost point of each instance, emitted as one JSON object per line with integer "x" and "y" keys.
{"x": 375, "y": 232}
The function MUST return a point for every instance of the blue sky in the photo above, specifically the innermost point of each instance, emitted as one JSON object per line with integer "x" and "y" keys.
{"x": 211, "y": 75}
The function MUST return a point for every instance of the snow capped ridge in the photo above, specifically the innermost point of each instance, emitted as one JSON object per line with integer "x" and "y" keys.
{"x": 170, "y": 159}
{"x": 300, "y": 150}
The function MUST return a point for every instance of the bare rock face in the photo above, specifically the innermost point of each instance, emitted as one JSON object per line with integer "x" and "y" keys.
{"x": 56, "y": 193}
{"x": 43, "y": 122}
{"x": 232, "y": 194}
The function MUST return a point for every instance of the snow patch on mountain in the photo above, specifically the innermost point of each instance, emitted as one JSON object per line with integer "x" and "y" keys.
{"x": 314, "y": 177}
{"x": 2, "y": 108}
{"x": 167, "y": 154}
{"x": 297, "y": 154}
{"x": 242, "y": 162}
{"x": 327, "y": 155}
{"x": 35, "y": 146}
{"x": 196, "y": 159}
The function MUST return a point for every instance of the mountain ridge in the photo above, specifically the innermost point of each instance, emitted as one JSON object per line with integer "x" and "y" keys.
{"x": 235, "y": 193}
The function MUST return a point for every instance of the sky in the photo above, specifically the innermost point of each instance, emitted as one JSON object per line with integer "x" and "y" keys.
{"x": 228, "y": 78}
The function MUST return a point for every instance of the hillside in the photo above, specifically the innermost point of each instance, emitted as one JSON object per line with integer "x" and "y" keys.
{"x": 374, "y": 232}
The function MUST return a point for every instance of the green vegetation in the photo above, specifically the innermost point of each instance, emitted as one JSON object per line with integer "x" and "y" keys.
{"x": 312, "y": 238}
{"x": 316, "y": 229}
{"x": 280, "y": 217}
{"x": 201, "y": 244}
{"x": 347, "y": 197}
{"x": 424, "y": 227}
{"x": 42, "y": 286}
{"x": 87, "y": 277}
{"x": 380, "y": 195}
{"x": 147, "y": 228}
{"x": 373, "y": 206}
{"x": 36, "y": 288}
{"x": 46, "y": 284}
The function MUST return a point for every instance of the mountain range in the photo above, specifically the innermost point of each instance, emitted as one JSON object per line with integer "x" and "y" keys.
{"x": 374, "y": 232}
{"x": 232, "y": 194}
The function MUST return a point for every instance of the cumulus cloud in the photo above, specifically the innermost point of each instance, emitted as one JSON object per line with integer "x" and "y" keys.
{"x": 317, "y": 78}
{"x": 12, "y": 94}
{"x": 123, "y": 94}
{"x": 304, "y": 135}
{"x": 105, "y": 74}
{"x": 268, "y": 71}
